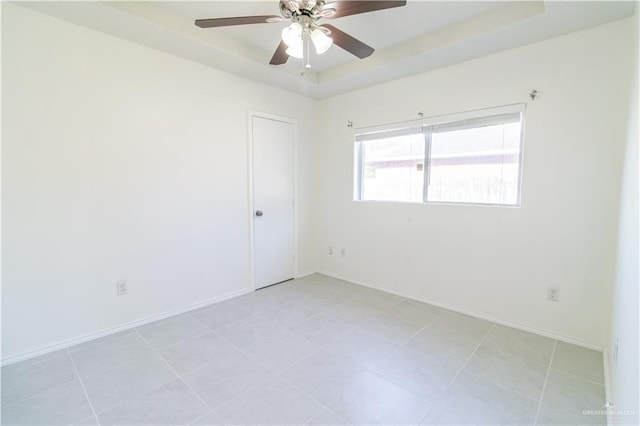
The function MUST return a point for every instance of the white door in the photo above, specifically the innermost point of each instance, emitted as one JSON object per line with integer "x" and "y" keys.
{"x": 273, "y": 216}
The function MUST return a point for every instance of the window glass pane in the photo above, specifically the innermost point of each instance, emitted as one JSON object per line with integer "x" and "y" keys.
{"x": 393, "y": 168}
{"x": 478, "y": 165}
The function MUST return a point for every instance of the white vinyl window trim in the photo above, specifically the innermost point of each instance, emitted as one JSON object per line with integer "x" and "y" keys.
{"x": 429, "y": 126}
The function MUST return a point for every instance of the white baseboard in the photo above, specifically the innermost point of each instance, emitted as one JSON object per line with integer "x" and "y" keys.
{"x": 136, "y": 323}
{"x": 607, "y": 384}
{"x": 123, "y": 327}
{"x": 484, "y": 316}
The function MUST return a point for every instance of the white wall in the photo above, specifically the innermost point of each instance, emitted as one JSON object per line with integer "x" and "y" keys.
{"x": 623, "y": 372}
{"x": 496, "y": 262}
{"x": 121, "y": 162}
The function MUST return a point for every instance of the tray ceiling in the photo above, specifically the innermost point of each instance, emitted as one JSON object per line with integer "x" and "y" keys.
{"x": 421, "y": 36}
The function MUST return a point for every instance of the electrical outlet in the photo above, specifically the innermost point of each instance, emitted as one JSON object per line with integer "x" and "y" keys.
{"x": 330, "y": 250}
{"x": 553, "y": 294}
{"x": 122, "y": 287}
{"x": 343, "y": 253}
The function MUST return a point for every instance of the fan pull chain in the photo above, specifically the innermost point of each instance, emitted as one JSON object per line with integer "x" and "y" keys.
{"x": 306, "y": 61}
{"x": 308, "y": 55}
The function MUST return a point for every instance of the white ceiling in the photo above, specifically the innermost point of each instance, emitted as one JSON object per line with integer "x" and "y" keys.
{"x": 380, "y": 29}
{"x": 418, "y": 37}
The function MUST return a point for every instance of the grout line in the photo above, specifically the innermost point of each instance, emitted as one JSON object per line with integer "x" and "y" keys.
{"x": 322, "y": 312}
{"x": 516, "y": 356}
{"x": 133, "y": 361}
{"x": 278, "y": 375}
{"x": 274, "y": 374}
{"x": 211, "y": 411}
{"x": 309, "y": 292}
{"x": 544, "y": 386}
{"x": 9, "y": 404}
{"x": 422, "y": 329}
{"x": 254, "y": 314}
{"x": 118, "y": 402}
{"x": 68, "y": 352}
{"x": 359, "y": 366}
{"x": 484, "y": 379}
{"x": 111, "y": 367}
{"x": 379, "y": 312}
{"x": 164, "y": 321}
{"x": 84, "y": 389}
{"x": 428, "y": 399}
{"x": 92, "y": 344}
{"x": 309, "y": 295}
{"x": 446, "y": 388}
{"x": 31, "y": 362}
{"x": 174, "y": 370}
{"x": 249, "y": 315}
{"x": 470, "y": 357}
{"x": 190, "y": 339}
{"x": 206, "y": 364}
{"x": 433, "y": 407}
{"x": 478, "y": 315}
{"x": 251, "y": 388}
{"x": 325, "y": 406}
{"x": 431, "y": 398}
{"x": 575, "y": 376}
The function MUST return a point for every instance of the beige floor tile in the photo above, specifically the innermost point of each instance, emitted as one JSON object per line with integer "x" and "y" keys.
{"x": 315, "y": 350}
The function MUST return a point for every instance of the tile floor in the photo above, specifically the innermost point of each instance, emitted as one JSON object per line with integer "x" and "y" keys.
{"x": 311, "y": 351}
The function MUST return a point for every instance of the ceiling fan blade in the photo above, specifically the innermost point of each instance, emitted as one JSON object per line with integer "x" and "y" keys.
{"x": 238, "y": 20}
{"x": 348, "y": 43}
{"x": 280, "y": 56}
{"x": 354, "y": 7}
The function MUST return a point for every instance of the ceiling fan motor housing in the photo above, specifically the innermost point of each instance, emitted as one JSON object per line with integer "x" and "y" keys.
{"x": 313, "y": 9}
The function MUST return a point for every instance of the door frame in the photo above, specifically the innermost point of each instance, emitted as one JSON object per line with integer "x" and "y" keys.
{"x": 251, "y": 114}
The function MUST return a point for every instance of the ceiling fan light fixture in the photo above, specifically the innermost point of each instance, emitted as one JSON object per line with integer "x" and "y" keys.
{"x": 304, "y": 29}
{"x": 292, "y": 35}
{"x": 295, "y": 51}
{"x": 321, "y": 41}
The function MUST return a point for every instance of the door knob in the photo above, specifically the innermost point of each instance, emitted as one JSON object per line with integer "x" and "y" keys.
{"x": 259, "y": 213}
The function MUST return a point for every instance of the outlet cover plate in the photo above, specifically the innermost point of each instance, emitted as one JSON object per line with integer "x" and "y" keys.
{"x": 121, "y": 286}
{"x": 553, "y": 294}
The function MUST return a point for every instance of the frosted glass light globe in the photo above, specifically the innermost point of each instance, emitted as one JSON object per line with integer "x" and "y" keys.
{"x": 295, "y": 50}
{"x": 321, "y": 41}
{"x": 292, "y": 35}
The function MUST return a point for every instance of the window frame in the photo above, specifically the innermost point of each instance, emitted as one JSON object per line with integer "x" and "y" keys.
{"x": 427, "y": 126}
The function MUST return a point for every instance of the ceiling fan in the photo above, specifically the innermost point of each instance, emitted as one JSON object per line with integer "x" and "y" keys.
{"x": 304, "y": 29}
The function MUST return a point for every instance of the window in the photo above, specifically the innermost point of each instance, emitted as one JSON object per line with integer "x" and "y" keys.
{"x": 470, "y": 158}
